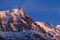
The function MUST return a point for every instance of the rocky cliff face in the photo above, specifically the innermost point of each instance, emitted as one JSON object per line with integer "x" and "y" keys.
{"x": 17, "y": 21}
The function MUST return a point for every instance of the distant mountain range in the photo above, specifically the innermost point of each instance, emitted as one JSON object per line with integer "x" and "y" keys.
{"x": 15, "y": 24}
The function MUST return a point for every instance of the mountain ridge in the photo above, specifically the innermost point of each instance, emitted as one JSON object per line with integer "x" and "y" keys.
{"x": 16, "y": 20}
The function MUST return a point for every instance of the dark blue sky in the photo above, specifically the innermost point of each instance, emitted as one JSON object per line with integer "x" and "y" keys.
{"x": 39, "y": 10}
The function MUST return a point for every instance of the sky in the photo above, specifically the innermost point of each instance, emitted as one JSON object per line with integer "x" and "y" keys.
{"x": 39, "y": 10}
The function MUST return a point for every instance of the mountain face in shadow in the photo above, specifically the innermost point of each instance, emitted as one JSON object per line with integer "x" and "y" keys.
{"x": 22, "y": 26}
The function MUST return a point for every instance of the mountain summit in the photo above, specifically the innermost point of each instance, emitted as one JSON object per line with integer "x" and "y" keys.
{"x": 22, "y": 26}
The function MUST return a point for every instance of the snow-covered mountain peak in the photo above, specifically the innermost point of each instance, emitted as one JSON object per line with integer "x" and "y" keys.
{"x": 16, "y": 21}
